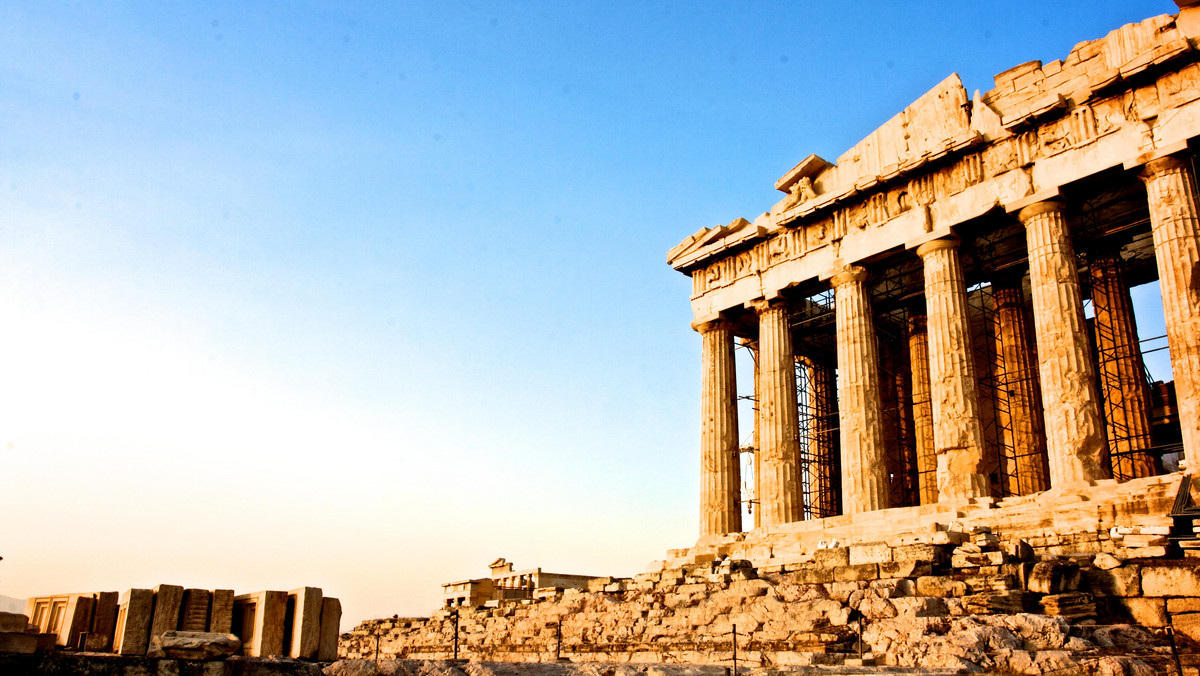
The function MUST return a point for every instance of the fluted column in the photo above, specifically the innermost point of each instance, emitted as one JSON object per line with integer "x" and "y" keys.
{"x": 720, "y": 508}
{"x": 1018, "y": 406}
{"x": 922, "y": 406}
{"x": 1122, "y": 375}
{"x": 1175, "y": 219}
{"x": 957, "y": 431}
{"x": 1074, "y": 438}
{"x": 780, "y": 499}
{"x": 864, "y": 484}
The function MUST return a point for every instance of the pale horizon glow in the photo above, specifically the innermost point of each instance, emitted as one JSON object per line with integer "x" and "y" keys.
{"x": 366, "y": 295}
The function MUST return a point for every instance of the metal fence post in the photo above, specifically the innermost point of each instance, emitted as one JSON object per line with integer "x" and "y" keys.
{"x": 735, "y": 670}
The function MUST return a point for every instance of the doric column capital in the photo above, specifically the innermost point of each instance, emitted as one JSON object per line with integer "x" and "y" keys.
{"x": 1162, "y": 165}
{"x": 712, "y": 325}
{"x": 851, "y": 274}
{"x": 763, "y": 304}
{"x": 1039, "y": 208}
{"x": 950, "y": 242}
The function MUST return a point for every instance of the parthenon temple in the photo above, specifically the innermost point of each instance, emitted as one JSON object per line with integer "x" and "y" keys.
{"x": 944, "y": 316}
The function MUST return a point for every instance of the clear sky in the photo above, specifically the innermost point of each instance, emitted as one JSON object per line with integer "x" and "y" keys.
{"x": 365, "y": 295}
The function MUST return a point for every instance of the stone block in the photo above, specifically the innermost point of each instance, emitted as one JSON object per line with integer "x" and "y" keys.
{"x": 866, "y": 571}
{"x": 909, "y": 568}
{"x": 1183, "y": 605}
{"x": 940, "y": 586}
{"x": 18, "y": 642}
{"x": 13, "y": 622}
{"x": 1147, "y": 612}
{"x": 306, "y": 622}
{"x": 815, "y": 575}
{"x": 134, "y": 617}
{"x": 220, "y": 617}
{"x": 194, "y": 613}
{"x": 975, "y": 560}
{"x": 331, "y": 620}
{"x": 1123, "y": 581}
{"x": 1053, "y": 577}
{"x": 104, "y": 622}
{"x": 920, "y": 552}
{"x": 1162, "y": 581}
{"x": 168, "y": 602}
{"x": 259, "y": 622}
{"x": 194, "y": 645}
{"x": 832, "y": 557}
{"x": 1187, "y": 624}
{"x": 871, "y": 552}
{"x": 78, "y": 619}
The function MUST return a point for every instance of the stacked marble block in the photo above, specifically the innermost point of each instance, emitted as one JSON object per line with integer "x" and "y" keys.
{"x": 302, "y": 623}
{"x": 17, "y": 635}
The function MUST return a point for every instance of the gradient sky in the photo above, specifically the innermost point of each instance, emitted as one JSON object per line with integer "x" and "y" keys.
{"x": 365, "y": 295}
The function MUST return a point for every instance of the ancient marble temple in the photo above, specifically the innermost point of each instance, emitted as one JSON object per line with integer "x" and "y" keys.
{"x": 944, "y": 315}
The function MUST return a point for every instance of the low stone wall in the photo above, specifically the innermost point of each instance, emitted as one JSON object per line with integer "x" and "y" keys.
{"x": 96, "y": 664}
{"x": 1029, "y": 585}
{"x": 978, "y": 604}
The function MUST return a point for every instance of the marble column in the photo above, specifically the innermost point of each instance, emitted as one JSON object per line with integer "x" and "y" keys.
{"x": 720, "y": 508}
{"x": 918, "y": 356}
{"x": 1018, "y": 405}
{"x": 1175, "y": 219}
{"x": 1074, "y": 437}
{"x": 780, "y": 499}
{"x": 957, "y": 430}
{"x": 1122, "y": 375}
{"x": 864, "y": 484}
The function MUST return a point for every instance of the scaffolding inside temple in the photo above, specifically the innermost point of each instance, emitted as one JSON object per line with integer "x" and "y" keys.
{"x": 812, "y": 323}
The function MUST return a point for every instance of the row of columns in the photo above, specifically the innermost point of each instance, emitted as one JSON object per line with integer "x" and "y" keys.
{"x": 947, "y": 422}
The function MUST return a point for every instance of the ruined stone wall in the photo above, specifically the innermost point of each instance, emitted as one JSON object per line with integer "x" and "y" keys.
{"x": 975, "y": 601}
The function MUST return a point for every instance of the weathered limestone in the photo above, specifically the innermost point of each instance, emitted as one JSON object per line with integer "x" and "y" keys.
{"x": 134, "y": 616}
{"x": 104, "y": 620}
{"x": 1018, "y": 410}
{"x": 1171, "y": 193}
{"x": 331, "y": 618}
{"x": 1074, "y": 438}
{"x": 922, "y": 407}
{"x": 168, "y": 605}
{"x": 194, "y": 613}
{"x": 220, "y": 619}
{"x": 720, "y": 483}
{"x": 1125, "y": 394}
{"x": 306, "y": 622}
{"x": 957, "y": 432}
{"x": 258, "y": 622}
{"x": 864, "y": 486}
{"x": 780, "y": 498}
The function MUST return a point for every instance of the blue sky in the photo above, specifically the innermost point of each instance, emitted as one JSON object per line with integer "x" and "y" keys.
{"x": 364, "y": 295}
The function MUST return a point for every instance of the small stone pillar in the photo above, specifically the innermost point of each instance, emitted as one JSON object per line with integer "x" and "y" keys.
{"x": 957, "y": 431}
{"x": 864, "y": 484}
{"x": 1074, "y": 438}
{"x": 780, "y": 499}
{"x": 1018, "y": 405}
{"x": 720, "y": 508}
{"x": 1175, "y": 219}
{"x": 1122, "y": 375}
{"x": 922, "y": 406}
